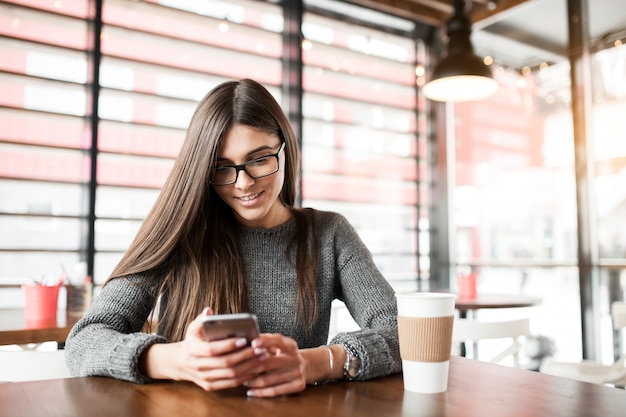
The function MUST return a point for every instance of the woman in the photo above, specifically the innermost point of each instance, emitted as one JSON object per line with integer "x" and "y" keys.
{"x": 224, "y": 237}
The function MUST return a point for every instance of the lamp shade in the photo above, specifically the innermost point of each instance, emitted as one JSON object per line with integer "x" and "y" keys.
{"x": 461, "y": 75}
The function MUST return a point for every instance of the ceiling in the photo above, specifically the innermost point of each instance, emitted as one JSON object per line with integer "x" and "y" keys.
{"x": 517, "y": 33}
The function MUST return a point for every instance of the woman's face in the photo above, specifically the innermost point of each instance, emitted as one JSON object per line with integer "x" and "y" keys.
{"x": 253, "y": 200}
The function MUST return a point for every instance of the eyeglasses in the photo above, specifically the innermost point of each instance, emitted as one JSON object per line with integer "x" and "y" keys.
{"x": 263, "y": 166}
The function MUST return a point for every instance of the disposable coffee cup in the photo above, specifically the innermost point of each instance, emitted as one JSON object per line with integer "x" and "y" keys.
{"x": 425, "y": 321}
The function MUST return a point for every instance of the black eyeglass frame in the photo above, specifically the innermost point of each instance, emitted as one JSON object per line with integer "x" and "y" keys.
{"x": 242, "y": 167}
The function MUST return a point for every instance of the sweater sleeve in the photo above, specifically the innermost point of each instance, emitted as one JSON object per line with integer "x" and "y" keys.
{"x": 371, "y": 302}
{"x": 107, "y": 340}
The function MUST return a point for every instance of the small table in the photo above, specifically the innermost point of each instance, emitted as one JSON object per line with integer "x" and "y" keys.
{"x": 471, "y": 305}
{"x": 15, "y": 330}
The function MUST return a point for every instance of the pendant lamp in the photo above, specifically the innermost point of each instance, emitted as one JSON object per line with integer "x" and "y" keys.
{"x": 461, "y": 75}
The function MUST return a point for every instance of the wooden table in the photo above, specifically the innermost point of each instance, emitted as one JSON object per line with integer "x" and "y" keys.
{"x": 15, "y": 330}
{"x": 475, "y": 389}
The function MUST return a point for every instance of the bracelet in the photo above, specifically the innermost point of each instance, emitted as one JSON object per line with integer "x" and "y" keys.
{"x": 331, "y": 361}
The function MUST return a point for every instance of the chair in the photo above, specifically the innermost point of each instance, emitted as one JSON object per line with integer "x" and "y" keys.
{"x": 591, "y": 371}
{"x": 32, "y": 365}
{"x": 475, "y": 330}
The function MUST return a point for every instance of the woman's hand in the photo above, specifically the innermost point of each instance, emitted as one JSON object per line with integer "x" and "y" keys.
{"x": 211, "y": 365}
{"x": 282, "y": 372}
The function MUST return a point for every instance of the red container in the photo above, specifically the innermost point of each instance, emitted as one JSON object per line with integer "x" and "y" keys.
{"x": 467, "y": 286}
{"x": 40, "y": 302}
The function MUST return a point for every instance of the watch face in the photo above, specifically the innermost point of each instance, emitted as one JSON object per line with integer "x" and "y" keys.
{"x": 354, "y": 367}
{"x": 351, "y": 366}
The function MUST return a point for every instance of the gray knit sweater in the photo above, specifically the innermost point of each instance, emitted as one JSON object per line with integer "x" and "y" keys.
{"x": 107, "y": 340}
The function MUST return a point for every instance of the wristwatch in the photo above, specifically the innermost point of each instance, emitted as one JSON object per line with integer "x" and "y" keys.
{"x": 352, "y": 365}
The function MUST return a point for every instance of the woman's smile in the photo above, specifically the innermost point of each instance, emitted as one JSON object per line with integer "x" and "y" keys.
{"x": 249, "y": 200}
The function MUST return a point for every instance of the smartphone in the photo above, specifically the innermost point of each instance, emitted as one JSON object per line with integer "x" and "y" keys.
{"x": 225, "y": 326}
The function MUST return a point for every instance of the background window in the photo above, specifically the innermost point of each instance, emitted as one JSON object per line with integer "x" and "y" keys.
{"x": 360, "y": 153}
{"x": 44, "y": 136}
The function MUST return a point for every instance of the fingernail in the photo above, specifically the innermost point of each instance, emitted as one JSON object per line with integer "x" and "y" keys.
{"x": 250, "y": 393}
{"x": 259, "y": 351}
{"x": 241, "y": 342}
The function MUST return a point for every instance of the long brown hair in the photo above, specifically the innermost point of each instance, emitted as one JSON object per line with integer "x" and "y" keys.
{"x": 189, "y": 237}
